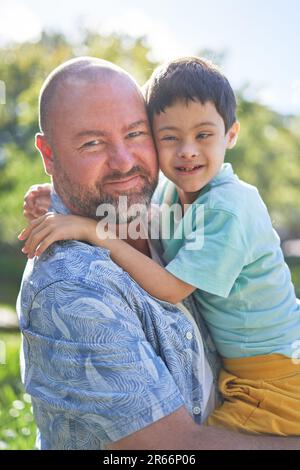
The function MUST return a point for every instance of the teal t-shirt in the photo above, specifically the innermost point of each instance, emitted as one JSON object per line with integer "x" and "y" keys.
{"x": 226, "y": 247}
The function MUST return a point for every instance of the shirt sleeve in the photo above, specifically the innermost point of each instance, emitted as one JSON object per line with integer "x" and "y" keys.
{"x": 213, "y": 254}
{"x": 92, "y": 366}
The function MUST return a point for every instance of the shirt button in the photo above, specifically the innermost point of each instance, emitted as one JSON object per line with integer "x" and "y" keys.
{"x": 189, "y": 335}
{"x": 196, "y": 410}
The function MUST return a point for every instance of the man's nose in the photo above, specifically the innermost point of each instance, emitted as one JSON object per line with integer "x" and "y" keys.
{"x": 121, "y": 158}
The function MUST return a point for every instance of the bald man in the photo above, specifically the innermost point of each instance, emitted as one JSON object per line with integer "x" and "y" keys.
{"x": 106, "y": 364}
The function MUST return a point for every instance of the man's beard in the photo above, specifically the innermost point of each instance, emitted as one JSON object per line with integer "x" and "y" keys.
{"x": 85, "y": 200}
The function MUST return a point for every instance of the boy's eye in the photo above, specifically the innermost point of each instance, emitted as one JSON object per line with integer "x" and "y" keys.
{"x": 203, "y": 135}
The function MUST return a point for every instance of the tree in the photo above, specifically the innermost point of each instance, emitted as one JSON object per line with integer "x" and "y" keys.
{"x": 23, "y": 68}
{"x": 267, "y": 154}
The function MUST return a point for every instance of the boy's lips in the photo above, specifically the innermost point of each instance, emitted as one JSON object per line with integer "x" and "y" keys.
{"x": 188, "y": 169}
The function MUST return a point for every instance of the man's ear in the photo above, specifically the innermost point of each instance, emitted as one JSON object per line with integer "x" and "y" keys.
{"x": 232, "y": 134}
{"x": 46, "y": 152}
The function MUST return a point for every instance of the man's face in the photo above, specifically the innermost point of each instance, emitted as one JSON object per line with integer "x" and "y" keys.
{"x": 102, "y": 146}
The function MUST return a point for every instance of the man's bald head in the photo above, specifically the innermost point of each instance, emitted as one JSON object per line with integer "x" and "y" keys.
{"x": 81, "y": 69}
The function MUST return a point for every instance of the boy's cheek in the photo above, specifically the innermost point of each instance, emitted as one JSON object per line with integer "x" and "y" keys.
{"x": 165, "y": 163}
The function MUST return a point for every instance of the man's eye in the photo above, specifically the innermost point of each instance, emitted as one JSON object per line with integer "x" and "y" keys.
{"x": 132, "y": 135}
{"x": 92, "y": 143}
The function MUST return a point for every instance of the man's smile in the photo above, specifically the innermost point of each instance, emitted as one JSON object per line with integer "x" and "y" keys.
{"x": 126, "y": 183}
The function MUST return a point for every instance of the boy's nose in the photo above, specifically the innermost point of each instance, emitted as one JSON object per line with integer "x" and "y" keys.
{"x": 188, "y": 153}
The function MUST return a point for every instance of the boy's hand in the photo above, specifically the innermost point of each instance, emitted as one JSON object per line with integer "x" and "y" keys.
{"x": 51, "y": 227}
{"x": 37, "y": 201}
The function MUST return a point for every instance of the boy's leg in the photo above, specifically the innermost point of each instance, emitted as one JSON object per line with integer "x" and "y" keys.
{"x": 256, "y": 406}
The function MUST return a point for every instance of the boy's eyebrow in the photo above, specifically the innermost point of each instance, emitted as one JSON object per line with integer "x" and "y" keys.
{"x": 205, "y": 123}
{"x": 174, "y": 128}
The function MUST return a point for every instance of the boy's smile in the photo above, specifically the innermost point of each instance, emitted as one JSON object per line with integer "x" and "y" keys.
{"x": 191, "y": 143}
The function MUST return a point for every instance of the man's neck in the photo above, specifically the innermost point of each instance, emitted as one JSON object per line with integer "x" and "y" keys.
{"x": 140, "y": 243}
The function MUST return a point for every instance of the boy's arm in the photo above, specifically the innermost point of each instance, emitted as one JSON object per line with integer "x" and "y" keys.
{"x": 156, "y": 280}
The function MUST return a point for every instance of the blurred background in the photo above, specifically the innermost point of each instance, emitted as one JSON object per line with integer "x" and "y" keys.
{"x": 256, "y": 44}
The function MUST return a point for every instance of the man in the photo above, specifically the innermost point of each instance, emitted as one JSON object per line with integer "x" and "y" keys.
{"x": 107, "y": 365}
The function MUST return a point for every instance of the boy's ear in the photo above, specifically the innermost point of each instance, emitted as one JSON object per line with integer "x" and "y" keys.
{"x": 46, "y": 152}
{"x": 232, "y": 134}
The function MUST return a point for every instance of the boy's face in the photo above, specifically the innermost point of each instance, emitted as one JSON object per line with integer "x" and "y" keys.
{"x": 191, "y": 144}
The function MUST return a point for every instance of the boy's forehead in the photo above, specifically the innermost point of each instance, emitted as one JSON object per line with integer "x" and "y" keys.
{"x": 189, "y": 111}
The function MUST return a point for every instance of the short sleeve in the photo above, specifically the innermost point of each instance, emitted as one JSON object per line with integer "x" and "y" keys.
{"x": 93, "y": 367}
{"x": 213, "y": 254}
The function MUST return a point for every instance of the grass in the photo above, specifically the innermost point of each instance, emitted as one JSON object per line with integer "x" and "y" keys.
{"x": 17, "y": 427}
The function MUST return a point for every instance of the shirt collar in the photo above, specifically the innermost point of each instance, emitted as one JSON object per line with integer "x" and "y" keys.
{"x": 225, "y": 173}
{"x": 56, "y": 203}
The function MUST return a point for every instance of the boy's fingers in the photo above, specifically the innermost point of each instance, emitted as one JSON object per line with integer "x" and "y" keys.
{"x": 43, "y": 202}
{"x": 35, "y": 238}
{"x": 36, "y": 201}
{"x": 39, "y": 229}
{"x": 28, "y": 215}
{"x": 30, "y": 212}
{"x": 36, "y": 189}
{"x": 43, "y": 246}
{"x": 32, "y": 225}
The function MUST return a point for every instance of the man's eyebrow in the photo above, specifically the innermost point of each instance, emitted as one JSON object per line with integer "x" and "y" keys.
{"x": 91, "y": 133}
{"x": 174, "y": 128}
{"x": 138, "y": 123}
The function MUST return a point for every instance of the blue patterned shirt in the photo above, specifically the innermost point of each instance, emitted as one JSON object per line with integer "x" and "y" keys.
{"x": 101, "y": 358}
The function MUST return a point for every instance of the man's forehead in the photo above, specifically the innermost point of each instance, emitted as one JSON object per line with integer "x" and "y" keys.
{"x": 101, "y": 88}
{"x": 93, "y": 109}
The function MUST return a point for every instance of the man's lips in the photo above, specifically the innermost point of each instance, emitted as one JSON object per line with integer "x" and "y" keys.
{"x": 125, "y": 183}
{"x": 188, "y": 169}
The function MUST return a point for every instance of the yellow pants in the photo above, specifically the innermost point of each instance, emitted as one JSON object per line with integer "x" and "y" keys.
{"x": 261, "y": 395}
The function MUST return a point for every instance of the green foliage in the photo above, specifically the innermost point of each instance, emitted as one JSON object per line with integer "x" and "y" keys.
{"x": 294, "y": 265}
{"x": 268, "y": 156}
{"x": 17, "y": 428}
{"x": 12, "y": 263}
{"x": 23, "y": 68}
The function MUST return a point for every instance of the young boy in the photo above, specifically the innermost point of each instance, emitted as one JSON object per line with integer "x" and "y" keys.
{"x": 237, "y": 273}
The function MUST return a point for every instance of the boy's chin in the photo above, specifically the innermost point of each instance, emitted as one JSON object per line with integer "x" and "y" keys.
{"x": 190, "y": 187}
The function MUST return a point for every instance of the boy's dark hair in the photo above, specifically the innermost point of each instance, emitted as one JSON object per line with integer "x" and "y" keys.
{"x": 190, "y": 78}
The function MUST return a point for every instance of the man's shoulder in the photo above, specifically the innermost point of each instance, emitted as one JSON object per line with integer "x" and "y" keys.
{"x": 73, "y": 283}
{"x": 72, "y": 262}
